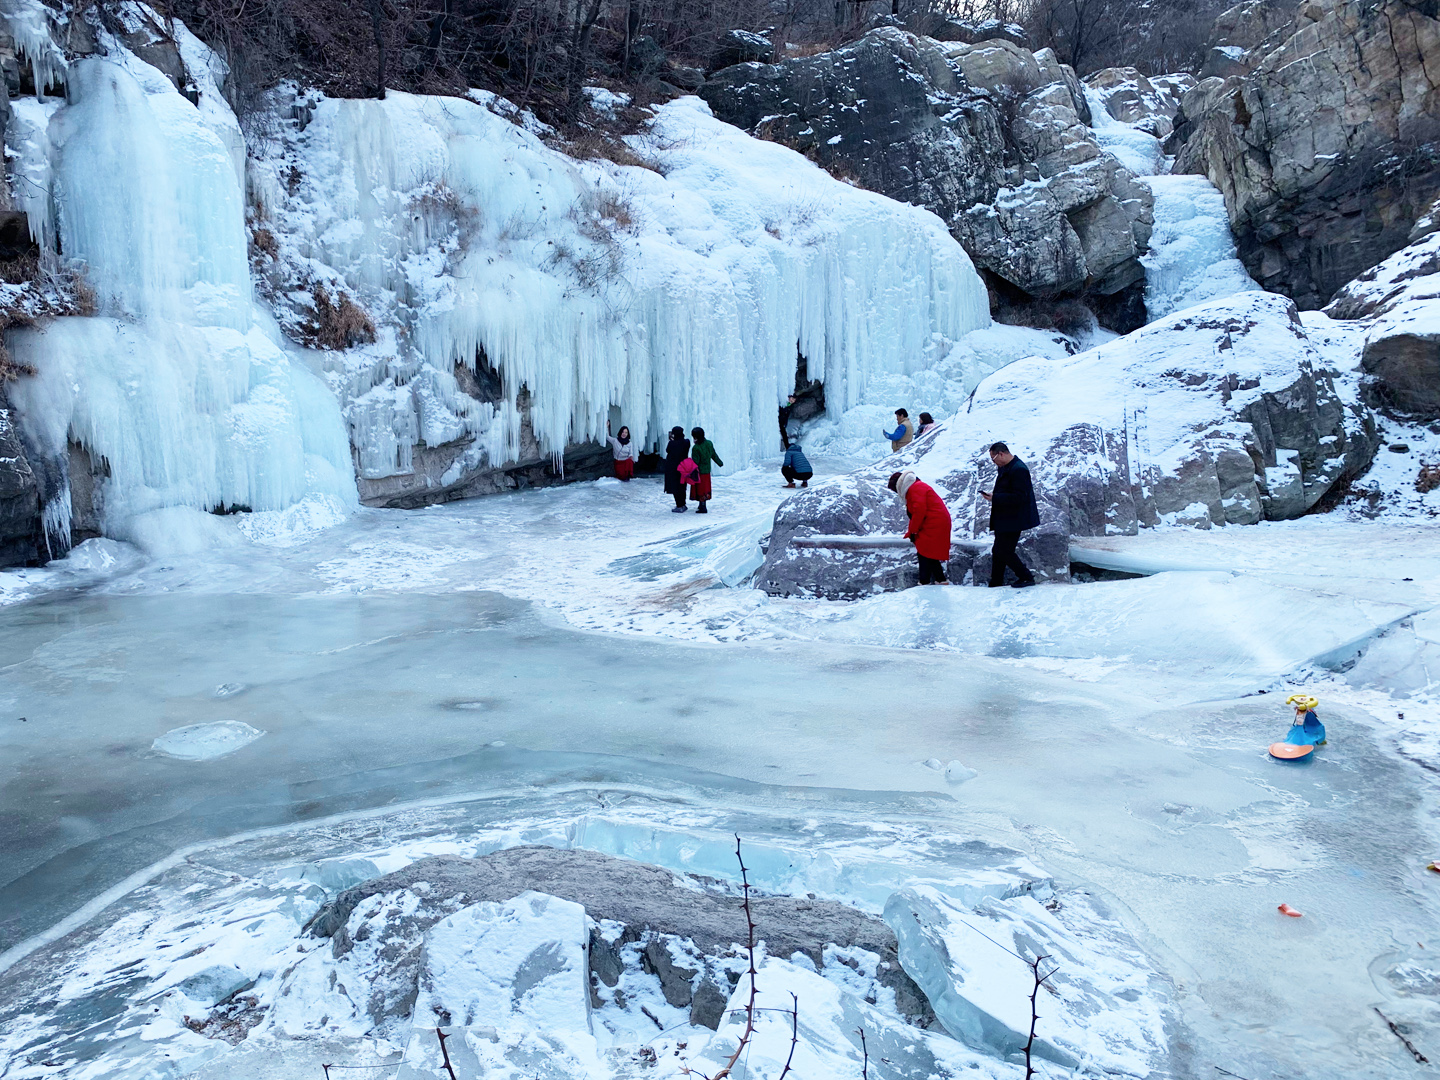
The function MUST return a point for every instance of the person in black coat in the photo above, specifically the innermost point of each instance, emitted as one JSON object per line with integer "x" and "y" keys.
{"x": 676, "y": 451}
{"x": 1012, "y": 511}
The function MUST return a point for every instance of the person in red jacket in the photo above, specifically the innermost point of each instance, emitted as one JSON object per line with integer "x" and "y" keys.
{"x": 929, "y": 528}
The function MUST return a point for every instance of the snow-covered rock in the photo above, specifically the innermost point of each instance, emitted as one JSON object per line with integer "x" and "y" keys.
{"x": 1221, "y": 414}
{"x": 990, "y": 136}
{"x": 1400, "y": 298}
{"x": 20, "y": 527}
{"x": 1099, "y": 1004}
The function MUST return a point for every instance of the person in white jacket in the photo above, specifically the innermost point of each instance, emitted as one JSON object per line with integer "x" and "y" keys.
{"x": 626, "y": 450}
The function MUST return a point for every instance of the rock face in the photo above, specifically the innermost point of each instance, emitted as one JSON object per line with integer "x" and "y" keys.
{"x": 989, "y": 136}
{"x": 1322, "y": 134}
{"x": 1400, "y": 299}
{"x": 385, "y": 922}
{"x": 20, "y": 528}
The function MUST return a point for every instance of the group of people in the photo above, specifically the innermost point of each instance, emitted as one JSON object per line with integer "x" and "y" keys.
{"x": 688, "y": 467}
{"x": 905, "y": 430}
{"x": 1012, "y": 510}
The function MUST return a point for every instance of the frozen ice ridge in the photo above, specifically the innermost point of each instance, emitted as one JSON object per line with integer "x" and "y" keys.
{"x": 179, "y": 393}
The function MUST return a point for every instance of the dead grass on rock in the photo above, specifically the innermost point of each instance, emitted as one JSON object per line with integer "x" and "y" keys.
{"x": 338, "y": 324}
{"x": 1429, "y": 478}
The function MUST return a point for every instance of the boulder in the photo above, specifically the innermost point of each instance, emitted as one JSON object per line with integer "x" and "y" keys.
{"x": 20, "y": 528}
{"x": 991, "y": 137}
{"x": 1323, "y": 135}
{"x": 741, "y": 47}
{"x": 889, "y": 110}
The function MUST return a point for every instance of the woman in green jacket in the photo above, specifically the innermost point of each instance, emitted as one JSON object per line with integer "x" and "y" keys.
{"x": 703, "y": 454}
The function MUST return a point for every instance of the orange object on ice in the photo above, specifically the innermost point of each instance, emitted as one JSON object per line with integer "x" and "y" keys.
{"x": 1289, "y": 751}
{"x": 1286, "y": 909}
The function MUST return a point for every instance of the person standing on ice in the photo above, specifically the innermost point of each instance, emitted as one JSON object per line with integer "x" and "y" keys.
{"x": 625, "y": 453}
{"x": 796, "y": 466}
{"x": 676, "y": 451}
{"x": 704, "y": 455}
{"x": 785, "y": 422}
{"x": 929, "y": 527}
{"x": 1012, "y": 511}
{"x": 904, "y": 431}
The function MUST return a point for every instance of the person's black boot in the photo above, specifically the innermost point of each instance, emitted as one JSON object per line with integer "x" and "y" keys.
{"x": 701, "y": 509}
{"x": 1022, "y": 584}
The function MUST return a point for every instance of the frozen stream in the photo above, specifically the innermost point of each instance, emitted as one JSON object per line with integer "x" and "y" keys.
{"x": 381, "y": 674}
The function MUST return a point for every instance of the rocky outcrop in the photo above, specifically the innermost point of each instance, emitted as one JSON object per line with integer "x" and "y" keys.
{"x": 1400, "y": 299}
{"x": 1324, "y": 136}
{"x": 20, "y": 528}
{"x": 1130, "y": 97}
{"x": 683, "y": 930}
{"x": 991, "y": 137}
{"x": 1222, "y": 414}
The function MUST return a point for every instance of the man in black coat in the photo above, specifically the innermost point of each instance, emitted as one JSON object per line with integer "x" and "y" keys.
{"x": 1012, "y": 511}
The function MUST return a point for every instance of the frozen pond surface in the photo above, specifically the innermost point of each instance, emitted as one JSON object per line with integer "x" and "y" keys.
{"x": 385, "y": 667}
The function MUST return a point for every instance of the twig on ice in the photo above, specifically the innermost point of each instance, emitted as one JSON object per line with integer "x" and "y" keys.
{"x": 1416, "y": 1054}
{"x": 445, "y": 1054}
{"x": 864, "y": 1056}
{"x": 794, "y": 1034}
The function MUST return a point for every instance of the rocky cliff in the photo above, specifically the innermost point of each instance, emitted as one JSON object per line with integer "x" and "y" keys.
{"x": 991, "y": 137}
{"x": 1322, "y": 128}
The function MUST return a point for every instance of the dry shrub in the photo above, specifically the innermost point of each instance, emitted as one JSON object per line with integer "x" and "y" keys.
{"x": 1429, "y": 478}
{"x": 592, "y": 145}
{"x": 1068, "y": 317}
{"x": 339, "y": 324}
{"x": 264, "y": 242}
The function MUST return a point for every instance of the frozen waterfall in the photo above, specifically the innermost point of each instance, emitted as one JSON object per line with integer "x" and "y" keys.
{"x": 180, "y": 390}
{"x": 1192, "y": 256}
{"x": 675, "y": 293}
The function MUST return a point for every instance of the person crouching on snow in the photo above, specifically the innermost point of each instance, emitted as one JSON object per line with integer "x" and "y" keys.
{"x": 929, "y": 528}
{"x": 625, "y": 453}
{"x": 676, "y": 451}
{"x": 704, "y": 455}
{"x": 796, "y": 465}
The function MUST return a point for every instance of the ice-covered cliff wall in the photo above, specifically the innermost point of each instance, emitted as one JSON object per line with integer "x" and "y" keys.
{"x": 180, "y": 389}
{"x": 677, "y": 293}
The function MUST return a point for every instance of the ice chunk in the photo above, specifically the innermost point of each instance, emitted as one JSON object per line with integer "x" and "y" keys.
{"x": 973, "y": 963}
{"x": 829, "y": 1025}
{"x": 201, "y": 742}
{"x": 214, "y": 984}
{"x": 520, "y": 963}
{"x": 957, "y": 773}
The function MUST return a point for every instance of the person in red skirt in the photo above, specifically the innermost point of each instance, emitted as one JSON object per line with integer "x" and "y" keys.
{"x": 625, "y": 452}
{"x": 704, "y": 455}
{"x": 929, "y": 527}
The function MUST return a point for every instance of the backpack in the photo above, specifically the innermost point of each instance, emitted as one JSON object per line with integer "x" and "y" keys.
{"x": 689, "y": 471}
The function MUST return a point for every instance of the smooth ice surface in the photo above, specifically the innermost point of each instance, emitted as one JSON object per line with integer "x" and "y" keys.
{"x": 1117, "y": 730}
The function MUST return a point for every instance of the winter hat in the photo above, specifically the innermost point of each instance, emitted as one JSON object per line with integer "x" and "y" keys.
{"x": 894, "y": 479}
{"x": 901, "y": 481}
